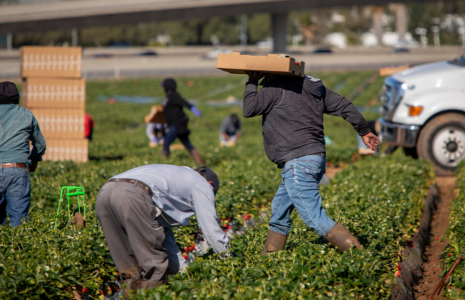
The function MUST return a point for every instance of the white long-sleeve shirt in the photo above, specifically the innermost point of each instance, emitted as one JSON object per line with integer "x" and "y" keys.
{"x": 181, "y": 192}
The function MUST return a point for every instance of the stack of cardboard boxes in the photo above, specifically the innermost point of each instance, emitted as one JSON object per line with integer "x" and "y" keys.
{"x": 55, "y": 93}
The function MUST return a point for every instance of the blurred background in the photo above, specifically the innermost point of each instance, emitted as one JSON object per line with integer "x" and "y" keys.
{"x": 147, "y": 38}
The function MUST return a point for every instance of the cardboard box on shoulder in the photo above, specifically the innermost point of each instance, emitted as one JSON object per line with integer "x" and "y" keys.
{"x": 66, "y": 149}
{"x": 156, "y": 115}
{"x": 50, "y": 62}
{"x": 273, "y": 64}
{"x": 53, "y": 93}
{"x": 60, "y": 123}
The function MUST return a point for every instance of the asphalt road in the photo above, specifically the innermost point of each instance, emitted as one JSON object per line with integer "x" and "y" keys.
{"x": 105, "y": 63}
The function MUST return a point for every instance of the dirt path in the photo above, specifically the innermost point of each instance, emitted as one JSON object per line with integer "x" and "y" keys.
{"x": 432, "y": 273}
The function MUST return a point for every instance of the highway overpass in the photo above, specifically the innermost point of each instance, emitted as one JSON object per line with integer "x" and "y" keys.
{"x": 86, "y": 13}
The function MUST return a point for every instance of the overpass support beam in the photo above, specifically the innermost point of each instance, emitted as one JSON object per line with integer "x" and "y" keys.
{"x": 279, "y": 27}
{"x": 378, "y": 24}
{"x": 74, "y": 37}
{"x": 401, "y": 20}
{"x": 9, "y": 42}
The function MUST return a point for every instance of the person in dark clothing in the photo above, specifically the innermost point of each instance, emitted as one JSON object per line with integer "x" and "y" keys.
{"x": 292, "y": 111}
{"x": 230, "y": 130}
{"x": 177, "y": 120}
{"x": 18, "y": 126}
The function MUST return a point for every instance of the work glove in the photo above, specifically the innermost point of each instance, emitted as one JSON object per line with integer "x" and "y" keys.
{"x": 195, "y": 111}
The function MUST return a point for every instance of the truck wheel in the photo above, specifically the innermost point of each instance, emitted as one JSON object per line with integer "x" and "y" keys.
{"x": 442, "y": 142}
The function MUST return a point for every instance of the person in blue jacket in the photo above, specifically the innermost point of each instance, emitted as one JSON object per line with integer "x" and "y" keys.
{"x": 177, "y": 120}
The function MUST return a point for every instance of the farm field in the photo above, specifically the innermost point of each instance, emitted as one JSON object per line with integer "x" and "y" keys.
{"x": 379, "y": 200}
{"x": 456, "y": 236}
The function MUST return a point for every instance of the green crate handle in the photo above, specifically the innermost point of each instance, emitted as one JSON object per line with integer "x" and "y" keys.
{"x": 69, "y": 192}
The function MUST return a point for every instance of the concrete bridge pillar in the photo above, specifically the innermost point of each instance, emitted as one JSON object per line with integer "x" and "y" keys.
{"x": 279, "y": 27}
{"x": 378, "y": 24}
{"x": 401, "y": 20}
{"x": 74, "y": 37}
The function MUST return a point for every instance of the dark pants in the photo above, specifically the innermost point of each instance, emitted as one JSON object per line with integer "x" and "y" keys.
{"x": 127, "y": 215}
{"x": 171, "y": 135}
{"x": 15, "y": 195}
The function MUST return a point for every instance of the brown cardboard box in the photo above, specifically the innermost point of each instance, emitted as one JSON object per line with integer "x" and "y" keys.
{"x": 388, "y": 71}
{"x": 51, "y": 62}
{"x": 60, "y": 123}
{"x": 281, "y": 65}
{"x": 156, "y": 115}
{"x": 56, "y": 93}
{"x": 66, "y": 149}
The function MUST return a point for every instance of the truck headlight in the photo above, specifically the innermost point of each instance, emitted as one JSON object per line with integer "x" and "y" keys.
{"x": 415, "y": 110}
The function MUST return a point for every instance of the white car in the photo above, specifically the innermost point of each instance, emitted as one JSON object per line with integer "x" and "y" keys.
{"x": 423, "y": 111}
{"x": 214, "y": 53}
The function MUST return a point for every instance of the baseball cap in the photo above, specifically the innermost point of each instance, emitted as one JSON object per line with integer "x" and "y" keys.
{"x": 209, "y": 175}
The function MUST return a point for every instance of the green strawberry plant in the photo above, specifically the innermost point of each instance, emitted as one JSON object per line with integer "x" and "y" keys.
{"x": 455, "y": 289}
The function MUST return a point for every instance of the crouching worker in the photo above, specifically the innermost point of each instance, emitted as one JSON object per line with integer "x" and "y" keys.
{"x": 230, "y": 130}
{"x": 292, "y": 110}
{"x": 137, "y": 209}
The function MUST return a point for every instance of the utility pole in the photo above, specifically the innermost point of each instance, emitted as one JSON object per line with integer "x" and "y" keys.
{"x": 9, "y": 42}
{"x": 243, "y": 34}
{"x": 377, "y": 19}
{"x": 74, "y": 37}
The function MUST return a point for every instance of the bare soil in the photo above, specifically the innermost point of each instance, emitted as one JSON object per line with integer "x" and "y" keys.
{"x": 432, "y": 268}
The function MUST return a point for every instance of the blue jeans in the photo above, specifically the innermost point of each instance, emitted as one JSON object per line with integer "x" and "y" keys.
{"x": 15, "y": 195}
{"x": 299, "y": 189}
{"x": 171, "y": 135}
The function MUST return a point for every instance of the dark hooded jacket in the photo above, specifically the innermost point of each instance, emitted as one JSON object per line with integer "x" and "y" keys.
{"x": 292, "y": 111}
{"x": 173, "y": 107}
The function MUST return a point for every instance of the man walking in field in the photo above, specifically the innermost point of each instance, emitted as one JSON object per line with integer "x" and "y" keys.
{"x": 18, "y": 126}
{"x": 292, "y": 111}
{"x": 137, "y": 210}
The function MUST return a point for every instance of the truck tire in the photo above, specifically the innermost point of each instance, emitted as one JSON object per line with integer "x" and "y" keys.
{"x": 442, "y": 142}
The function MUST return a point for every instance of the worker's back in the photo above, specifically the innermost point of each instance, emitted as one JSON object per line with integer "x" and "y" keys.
{"x": 17, "y": 125}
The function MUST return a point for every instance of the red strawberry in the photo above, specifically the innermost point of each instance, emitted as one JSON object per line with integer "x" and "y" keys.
{"x": 185, "y": 249}
{"x": 185, "y": 256}
{"x": 398, "y": 273}
{"x": 191, "y": 248}
{"x": 247, "y": 217}
{"x": 84, "y": 290}
{"x": 450, "y": 254}
{"x": 399, "y": 267}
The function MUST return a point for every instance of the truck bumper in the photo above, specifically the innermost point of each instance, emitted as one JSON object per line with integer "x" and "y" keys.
{"x": 398, "y": 134}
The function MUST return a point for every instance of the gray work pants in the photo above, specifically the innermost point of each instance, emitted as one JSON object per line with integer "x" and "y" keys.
{"x": 127, "y": 215}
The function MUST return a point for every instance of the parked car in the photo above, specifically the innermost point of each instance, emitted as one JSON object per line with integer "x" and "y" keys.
{"x": 146, "y": 53}
{"x": 265, "y": 44}
{"x": 423, "y": 111}
{"x": 214, "y": 53}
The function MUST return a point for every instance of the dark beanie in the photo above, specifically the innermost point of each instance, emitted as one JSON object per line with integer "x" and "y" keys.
{"x": 8, "y": 93}
{"x": 169, "y": 84}
{"x": 209, "y": 175}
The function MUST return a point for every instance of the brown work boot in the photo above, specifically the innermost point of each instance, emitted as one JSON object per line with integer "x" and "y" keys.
{"x": 149, "y": 285}
{"x": 165, "y": 154}
{"x": 129, "y": 285}
{"x": 196, "y": 156}
{"x": 274, "y": 242}
{"x": 341, "y": 238}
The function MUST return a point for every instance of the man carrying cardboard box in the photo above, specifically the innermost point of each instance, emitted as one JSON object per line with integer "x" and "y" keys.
{"x": 292, "y": 110}
{"x": 18, "y": 126}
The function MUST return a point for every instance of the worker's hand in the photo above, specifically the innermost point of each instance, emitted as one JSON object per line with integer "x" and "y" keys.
{"x": 195, "y": 111}
{"x": 371, "y": 140}
{"x": 33, "y": 167}
{"x": 254, "y": 75}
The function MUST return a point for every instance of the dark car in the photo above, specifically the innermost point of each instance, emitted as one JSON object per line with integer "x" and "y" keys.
{"x": 146, "y": 53}
{"x": 322, "y": 51}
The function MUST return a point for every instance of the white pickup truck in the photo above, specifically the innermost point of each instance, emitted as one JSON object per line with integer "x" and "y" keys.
{"x": 423, "y": 111}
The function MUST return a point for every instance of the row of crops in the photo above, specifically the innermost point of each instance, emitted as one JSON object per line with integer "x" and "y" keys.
{"x": 379, "y": 200}
{"x": 456, "y": 235}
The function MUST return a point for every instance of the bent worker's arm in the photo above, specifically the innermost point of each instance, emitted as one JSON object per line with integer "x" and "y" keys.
{"x": 38, "y": 144}
{"x": 336, "y": 105}
{"x": 204, "y": 205}
{"x": 259, "y": 103}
